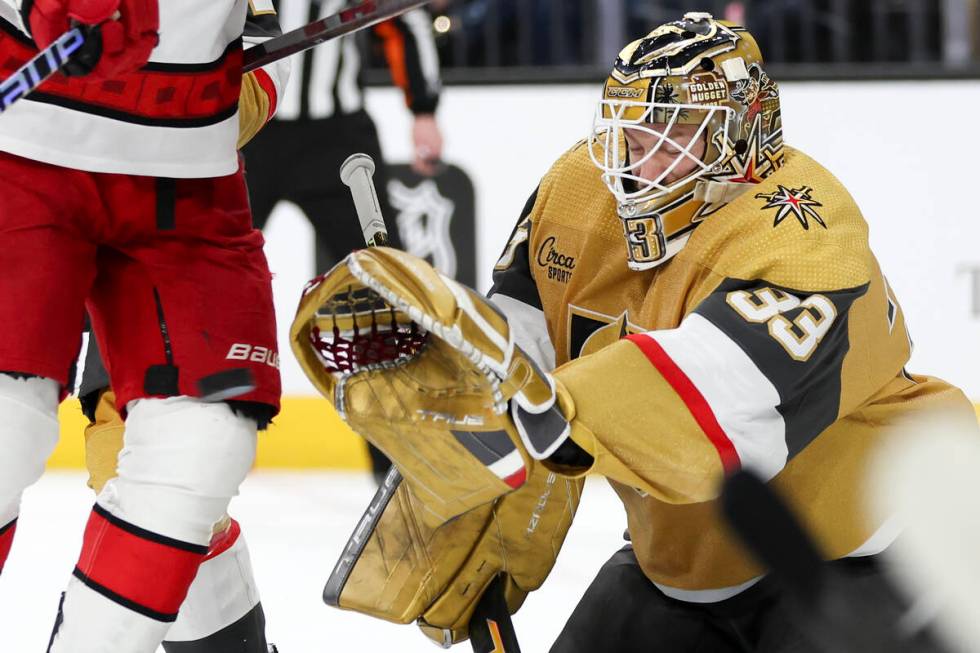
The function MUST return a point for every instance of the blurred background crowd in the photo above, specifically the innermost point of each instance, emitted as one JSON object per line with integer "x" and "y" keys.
{"x": 551, "y": 40}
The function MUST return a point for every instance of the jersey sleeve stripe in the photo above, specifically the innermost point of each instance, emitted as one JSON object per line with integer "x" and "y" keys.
{"x": 804, "y": 367}
{"x": 743, "y": 400}
{"x": 692, "y": 398}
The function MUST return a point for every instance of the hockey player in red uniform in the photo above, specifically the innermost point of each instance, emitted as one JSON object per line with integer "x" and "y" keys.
{"x": 683, "y": 297}
{"x": 122, "y": 192}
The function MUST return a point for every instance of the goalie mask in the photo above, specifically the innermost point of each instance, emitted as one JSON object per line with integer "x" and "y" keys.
{"x": 688, "y": 121}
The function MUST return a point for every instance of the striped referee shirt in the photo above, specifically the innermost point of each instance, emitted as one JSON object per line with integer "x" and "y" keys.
{"x": 326, "y": 81}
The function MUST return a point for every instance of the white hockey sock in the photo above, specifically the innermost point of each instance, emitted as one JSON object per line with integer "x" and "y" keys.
{"x": 92, "y": 623}
{"x": 148, "y": 534}
{"x": 223, "y": 591}
{"x": 28, "y": 434}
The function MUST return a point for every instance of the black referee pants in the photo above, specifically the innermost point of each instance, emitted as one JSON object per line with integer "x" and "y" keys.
{"x": 299, "y": 161}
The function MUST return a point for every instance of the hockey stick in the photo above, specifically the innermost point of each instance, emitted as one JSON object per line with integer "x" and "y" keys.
{"x": 46, "y": 63}
{"x": 365, "y": 14}
{"x": 821, "y": 601}
{"x": 490, "y": 628}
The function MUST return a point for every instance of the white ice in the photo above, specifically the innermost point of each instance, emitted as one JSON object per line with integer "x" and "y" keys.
{"x": 296, "y": 524}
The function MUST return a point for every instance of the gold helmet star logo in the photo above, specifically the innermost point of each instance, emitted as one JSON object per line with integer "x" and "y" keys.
{"x": 793, "y": 201}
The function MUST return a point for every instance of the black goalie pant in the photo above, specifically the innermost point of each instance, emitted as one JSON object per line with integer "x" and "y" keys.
{"x": 299, "y": 161}
{"x": 623, "y": 612}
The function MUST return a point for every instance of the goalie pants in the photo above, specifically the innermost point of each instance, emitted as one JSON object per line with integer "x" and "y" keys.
{"x": 623, "y": 612}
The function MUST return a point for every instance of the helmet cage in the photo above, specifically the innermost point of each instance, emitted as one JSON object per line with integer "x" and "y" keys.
{"x": 610, "y": 153}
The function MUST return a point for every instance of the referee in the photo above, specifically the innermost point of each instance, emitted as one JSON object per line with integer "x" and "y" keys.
{"x": 321, "y": 121}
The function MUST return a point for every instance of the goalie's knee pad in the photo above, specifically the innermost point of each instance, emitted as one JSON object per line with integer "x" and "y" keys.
{"x": 181, "y": 463}
{"x": 28, "y": 435}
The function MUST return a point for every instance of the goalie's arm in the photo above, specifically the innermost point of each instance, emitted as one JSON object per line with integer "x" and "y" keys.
{"x": 749, "y": 378}
{"x": 515, "y": 292}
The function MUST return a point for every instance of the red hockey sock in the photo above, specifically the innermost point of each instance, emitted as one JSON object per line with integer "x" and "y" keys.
{"x": 6, "y": 539}
{"x": 143, "y": 571}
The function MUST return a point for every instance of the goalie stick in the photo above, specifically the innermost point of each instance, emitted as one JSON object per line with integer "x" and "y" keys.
{"x": 491, "y": 629}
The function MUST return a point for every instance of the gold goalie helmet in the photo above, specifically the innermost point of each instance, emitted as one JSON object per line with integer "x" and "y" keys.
{"x": 699, "y": 72}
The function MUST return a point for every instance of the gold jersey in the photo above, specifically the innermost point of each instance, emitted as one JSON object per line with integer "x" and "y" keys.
{"x": 772, "y": 341}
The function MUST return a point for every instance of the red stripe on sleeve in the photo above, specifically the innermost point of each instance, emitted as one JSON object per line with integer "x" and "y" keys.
{"x": 692, "y": 398}
{"x": 6, "y": 540}
{"x": 153, "y": 574}
{"x": 269, "y": 86}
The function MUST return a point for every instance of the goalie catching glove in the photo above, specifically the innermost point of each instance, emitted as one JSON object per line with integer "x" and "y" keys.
{"x": 427, "y": 370}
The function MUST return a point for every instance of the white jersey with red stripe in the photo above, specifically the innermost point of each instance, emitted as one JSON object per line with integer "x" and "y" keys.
{"x": 771, "y": 341}
{"x": 175, "y": 117}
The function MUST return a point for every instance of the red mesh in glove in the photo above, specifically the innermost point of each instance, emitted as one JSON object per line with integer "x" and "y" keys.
{"x": 128, "y": 29}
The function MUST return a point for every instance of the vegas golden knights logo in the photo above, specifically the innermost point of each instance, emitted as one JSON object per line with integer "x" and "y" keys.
{"x": 590, "y": 331}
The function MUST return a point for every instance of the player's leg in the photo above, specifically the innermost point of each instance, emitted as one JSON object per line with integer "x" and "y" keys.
{"x": 623, "y": 611}
{"x": 174, "y": 304}
{"x": 222, "y": 611}
{"x": 28, "y": 434}
{"x": 862, "y": 581}
{"x": 222, "y": 605}
{"x": 46, "y": 268}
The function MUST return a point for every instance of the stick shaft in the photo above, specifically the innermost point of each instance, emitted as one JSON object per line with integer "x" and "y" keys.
{"x": 357, "y": 172}
{"x": 46, "y": 63}
{"x": 491, "y": 629}
{"x": 364, "y": 14}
